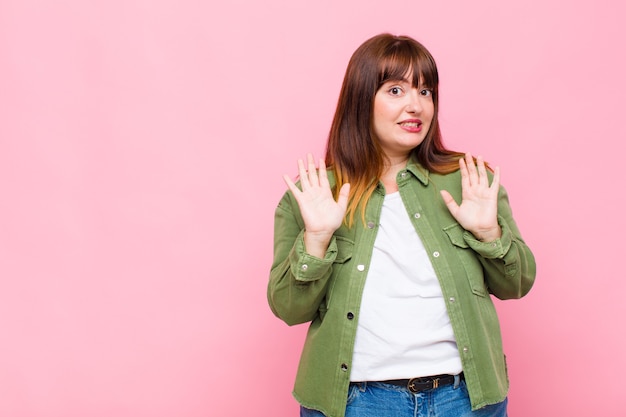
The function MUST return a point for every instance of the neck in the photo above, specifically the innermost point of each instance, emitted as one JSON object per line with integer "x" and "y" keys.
{"x": 394, "y": 165}
{"x": 390, "y": 171}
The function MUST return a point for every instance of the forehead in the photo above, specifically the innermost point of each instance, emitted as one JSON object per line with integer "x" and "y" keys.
{"x": 414, "y": 69}
{"x": 408, "y": 77}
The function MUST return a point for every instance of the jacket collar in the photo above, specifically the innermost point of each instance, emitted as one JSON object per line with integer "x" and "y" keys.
{"x": 418, "y": 171}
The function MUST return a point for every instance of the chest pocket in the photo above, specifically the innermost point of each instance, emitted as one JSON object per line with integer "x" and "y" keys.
{"x": 468, "y": 258}
{"x": 345, "y": 248}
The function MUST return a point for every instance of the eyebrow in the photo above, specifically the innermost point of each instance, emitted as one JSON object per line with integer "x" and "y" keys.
{"x": 423, "y": 84}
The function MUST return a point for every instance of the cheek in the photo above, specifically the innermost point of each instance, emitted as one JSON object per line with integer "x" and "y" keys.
{"x": 379, "y": 111}
{"x": 379, "y": 116}
{"x": 376, "y": 125}
{"x": 430, "y": 111}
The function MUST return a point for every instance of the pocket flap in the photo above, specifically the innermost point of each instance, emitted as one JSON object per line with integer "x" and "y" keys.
{"x": 345, "y": 247}
{"x": 455, "y": 233}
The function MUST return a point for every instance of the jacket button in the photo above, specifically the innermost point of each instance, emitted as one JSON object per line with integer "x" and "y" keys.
{"x": 350, "y": 315}
{"x": 360, "y": 267}
{"x": 436, "y": 254}
{"x": 417, "y": 215}
{"x": 344, "y": 367}
{"x": 305, "y": 267}
{"x": 370, "y": 225}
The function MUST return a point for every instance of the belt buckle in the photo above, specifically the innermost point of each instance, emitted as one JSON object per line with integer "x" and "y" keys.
{"x": 427, "y": 383}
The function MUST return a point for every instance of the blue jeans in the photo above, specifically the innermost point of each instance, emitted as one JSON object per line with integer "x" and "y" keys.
{"x": 376, "y": 399}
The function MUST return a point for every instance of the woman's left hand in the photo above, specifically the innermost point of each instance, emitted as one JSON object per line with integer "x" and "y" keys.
{"x": 478, "y": 212}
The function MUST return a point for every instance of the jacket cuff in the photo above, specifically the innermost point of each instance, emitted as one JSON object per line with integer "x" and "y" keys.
{"x": 306, "y": 267}
{"x": 491, "y": 250}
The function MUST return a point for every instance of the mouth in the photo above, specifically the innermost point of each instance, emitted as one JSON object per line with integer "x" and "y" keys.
{"x": 411, "y": 124}
{"x": 414, "y": 125}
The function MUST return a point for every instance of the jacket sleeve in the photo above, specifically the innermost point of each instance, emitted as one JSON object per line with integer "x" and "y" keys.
{"x": 298, "y": 281}
{"x": 508, "y": 263}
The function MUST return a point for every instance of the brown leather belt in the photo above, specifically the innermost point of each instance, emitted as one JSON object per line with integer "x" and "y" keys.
{"x": 424, "y": 383}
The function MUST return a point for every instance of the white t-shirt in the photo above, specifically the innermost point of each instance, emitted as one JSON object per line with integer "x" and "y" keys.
{"x": 403, "y": 327}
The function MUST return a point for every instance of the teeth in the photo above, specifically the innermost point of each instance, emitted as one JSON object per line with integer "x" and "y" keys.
{"x": 410, "y": 124}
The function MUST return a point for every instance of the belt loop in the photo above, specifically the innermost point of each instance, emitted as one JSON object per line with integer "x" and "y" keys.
{"x": 457, "y": 381}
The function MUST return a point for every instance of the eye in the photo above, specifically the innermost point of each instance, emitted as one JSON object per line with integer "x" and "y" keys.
{"x": 426, "y": 92}
{"x": 396, "y": 91}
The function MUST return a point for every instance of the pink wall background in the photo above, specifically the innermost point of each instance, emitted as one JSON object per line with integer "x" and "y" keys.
{"x": 142, "y": 145}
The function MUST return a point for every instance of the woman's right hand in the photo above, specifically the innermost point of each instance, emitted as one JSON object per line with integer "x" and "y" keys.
{"x": 322, "y": 215}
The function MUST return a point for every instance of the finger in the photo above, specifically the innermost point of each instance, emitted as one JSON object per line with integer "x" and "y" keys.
{"x": 482, "y": 171}
{"x": 495, "y": 184}
{"x": 304, "y": 180}
{"x": 344, "y": 193}
{"x": 465, "y": 181}
{"x": 313, "y": 178}
{"x": 290, "y": 184}
{"x": 471, "y": 169}
{"x": 453, "y": 207}
{"x": 322, "y": 174}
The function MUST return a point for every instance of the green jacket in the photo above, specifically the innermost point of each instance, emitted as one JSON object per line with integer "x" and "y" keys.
{"x": 327, "y": 292}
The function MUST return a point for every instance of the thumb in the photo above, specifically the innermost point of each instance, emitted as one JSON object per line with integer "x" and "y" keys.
{"x": 344, "y": 192}
{"x": 450, "y": 203}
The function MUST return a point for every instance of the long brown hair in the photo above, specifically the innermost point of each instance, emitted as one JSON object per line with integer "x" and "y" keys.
{"x": 353, "y": 152}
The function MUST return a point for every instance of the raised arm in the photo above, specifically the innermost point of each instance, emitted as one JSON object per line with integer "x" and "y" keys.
{"x": 304, "y": 245}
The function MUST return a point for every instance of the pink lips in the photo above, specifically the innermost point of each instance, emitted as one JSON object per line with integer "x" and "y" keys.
{"x": 411, "y": 125}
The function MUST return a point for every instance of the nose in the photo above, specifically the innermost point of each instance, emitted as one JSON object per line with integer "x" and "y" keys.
{"x": 414, "y": 104}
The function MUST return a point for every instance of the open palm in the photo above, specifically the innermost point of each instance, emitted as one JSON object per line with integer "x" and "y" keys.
{"x": 322, "y": 215}
{"x": 478, "y": 211}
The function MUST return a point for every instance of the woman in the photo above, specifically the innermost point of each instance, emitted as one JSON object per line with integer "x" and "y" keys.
{"x": 394, "y": 275}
